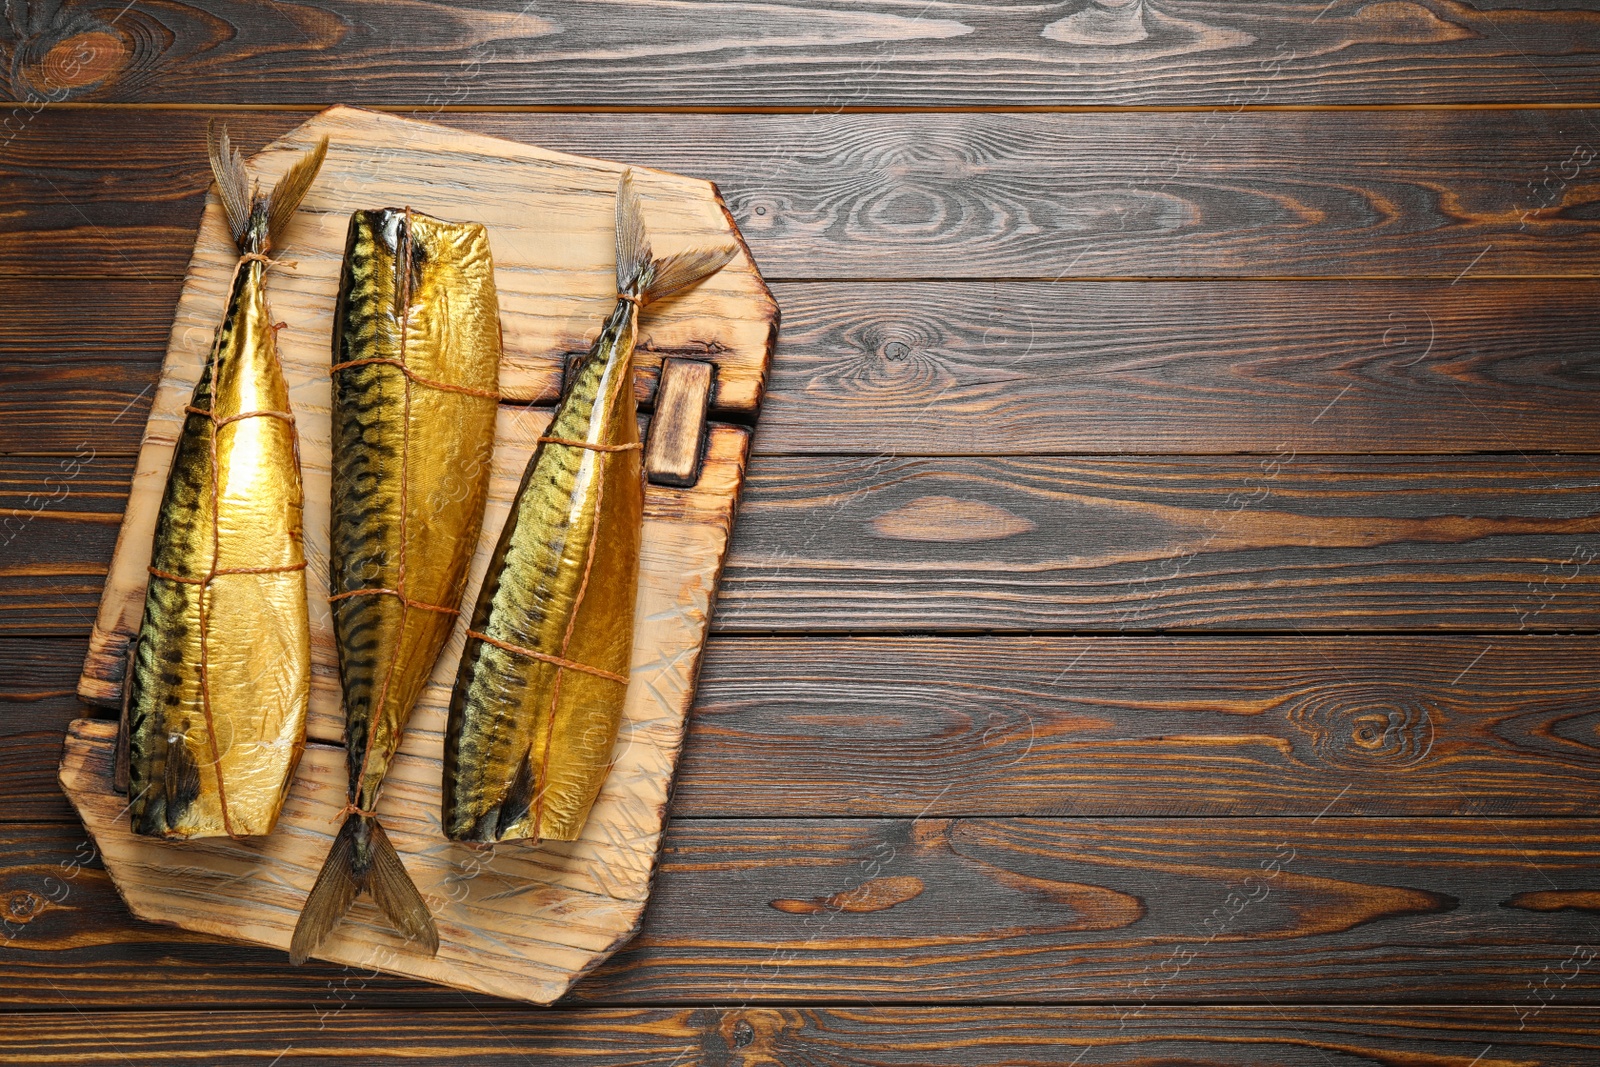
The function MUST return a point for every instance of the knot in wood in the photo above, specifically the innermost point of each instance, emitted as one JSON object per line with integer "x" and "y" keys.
{"x": 1364, "y": 727}
{"x": 60, "y": 69}
{"x": 23, "y": 906}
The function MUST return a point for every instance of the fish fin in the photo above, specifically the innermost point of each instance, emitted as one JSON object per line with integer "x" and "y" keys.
{"x": 633, "y": 244}
{"x": 291, "y": 189}
{"x": 233, "y": 181}
{"x": 518, "y": 801}
{"x": 675, "y": 272}
{"x": 255, "y": 221}
{"x": 361, "y": 858}
{"x": 482, "y": 829}
{"x": 639, "y": 273}
{"x": 335, "y": 890}
{"x": 122, "y": 768}
{"x": 182, "y": 778}
{"x": 396, "y": 894}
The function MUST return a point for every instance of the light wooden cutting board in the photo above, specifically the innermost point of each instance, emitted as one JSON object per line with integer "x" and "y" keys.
{"x": 517, "y": 920}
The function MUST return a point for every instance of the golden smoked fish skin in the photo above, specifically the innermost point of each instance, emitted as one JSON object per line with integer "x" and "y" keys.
{"x": 415, "y": 393}
{"x": 562, "y": 582}
{"x": 540, "y": 691}
{"x": 411, "y": 462}
{"x": 219, "y": 678}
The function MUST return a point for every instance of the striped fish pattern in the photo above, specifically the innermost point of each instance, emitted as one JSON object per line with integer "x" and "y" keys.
{"x": 218, "y": 684}
{"x": 415, "y": 379}
{"x": 540, "y": 691}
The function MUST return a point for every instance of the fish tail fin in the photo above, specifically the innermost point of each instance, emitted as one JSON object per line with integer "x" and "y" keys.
{"x": 255, "y": 221}
{"x": 335, "y": 890}
{"x": 633, "y": 244}
{"x": 397, "y": 894}
{"x": 639, "y": 273}
{"x": 291, "y": 189}
{"x": 672, "y": 273}
{"x": 361, "y": 858}
{"x": 234, "y": 184}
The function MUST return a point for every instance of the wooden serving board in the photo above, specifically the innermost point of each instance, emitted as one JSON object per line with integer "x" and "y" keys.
{"x": 517, "y": 920}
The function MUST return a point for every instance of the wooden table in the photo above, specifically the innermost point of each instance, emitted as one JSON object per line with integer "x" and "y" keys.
{"x": 1162, "y": 624}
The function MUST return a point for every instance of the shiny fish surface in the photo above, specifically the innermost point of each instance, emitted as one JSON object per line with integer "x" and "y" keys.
{"x": 219, "y": 677}
{"x": 415, "y": 379}
{"x": 539, "y": 695}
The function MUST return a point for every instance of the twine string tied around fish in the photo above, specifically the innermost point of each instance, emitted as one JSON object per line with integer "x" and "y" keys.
{"x": 591, "y": 445}
{"x": 352, "y": 808}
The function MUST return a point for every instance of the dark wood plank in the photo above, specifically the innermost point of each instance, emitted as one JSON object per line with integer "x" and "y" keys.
{"x": 1143, "y": 727}
{"x": 1067, "y": 910}
{"x": 59, "y": 517}
{"x": 814, "y": 55}
{"x": 1006, "y": 368}
{"x": 1506, "y": 544}
{"x": 69, "y": 941}
{"x": 987, "y": 196}
{"x": 38, "y": 697}
{"x": 1129, "y": 544}
{"x": 1061, "y": 727}
{"x": 934, "y": 910}
{"x": 78, "y": 363}
{"x": 1184, "y": 367}
{"x": 1285, "y": 1035}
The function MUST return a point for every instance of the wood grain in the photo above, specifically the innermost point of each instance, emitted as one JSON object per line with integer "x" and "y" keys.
{"x": 1100, "y": 909}
{"x": 1062, "y": 727}
{"x": 72, "y": 372}
{"x": 38, "y": 698}
{"x": 1019, "y": 368}
{"x": 1295, "y": 910}
{"x": 58, "y": 520}
{"x": 1287, "y": 1035}
{"x": 1127, "y": 544}
{"x": 1493, "y": 544}
{"x": 1009, "y": 368}
{"x": 678, "y": 434}
{"x": 1143, "y": 727}
{"x": 645, "y": 53}
{"x": 1436, "y": 194}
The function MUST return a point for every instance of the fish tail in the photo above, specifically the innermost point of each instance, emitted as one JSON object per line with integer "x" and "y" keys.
{"x": 257, "y": 222}
{"x": 639, "y": 273}
{"x": 361, "y": 858}
{"x": 397, "y": 894}
{"x": 335, "y": 890}
{"x": 234, "y": 185}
